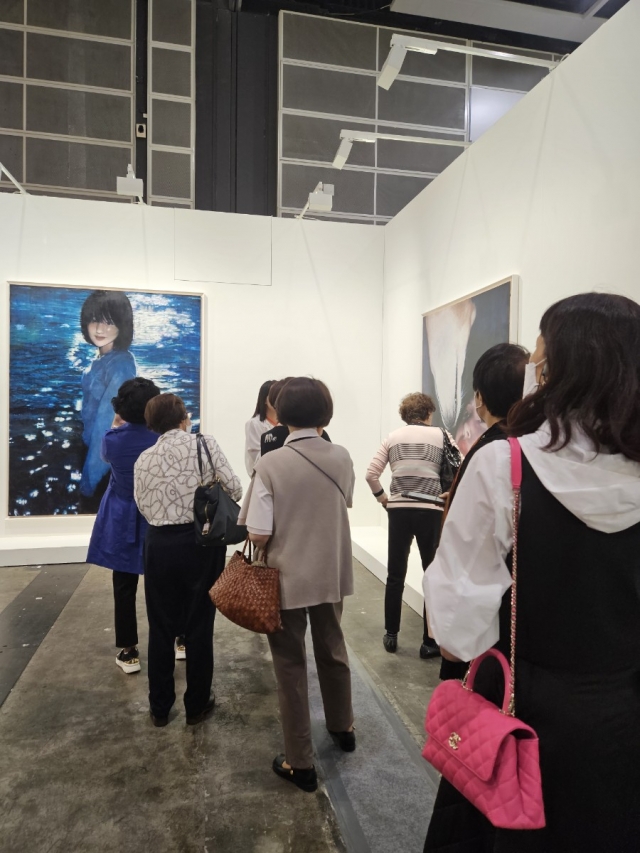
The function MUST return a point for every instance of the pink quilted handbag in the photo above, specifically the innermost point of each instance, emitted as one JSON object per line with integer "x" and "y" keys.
{"x": 485, "y": 752}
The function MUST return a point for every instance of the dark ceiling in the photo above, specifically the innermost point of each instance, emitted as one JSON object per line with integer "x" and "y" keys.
{"x": 379, "y": 12}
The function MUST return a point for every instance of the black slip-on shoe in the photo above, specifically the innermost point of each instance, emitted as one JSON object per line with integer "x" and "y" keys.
{"x": 306, "y": 780}
{"x": 198, "y": 718}
{"x": 390, "y": 642}
{"x": 345, "y": 740}
{"x": 429, "y": 651}
{"x": 158, "y": 722}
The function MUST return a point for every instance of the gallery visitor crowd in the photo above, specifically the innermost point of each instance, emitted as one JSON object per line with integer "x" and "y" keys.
{"x": 562, "y": 446}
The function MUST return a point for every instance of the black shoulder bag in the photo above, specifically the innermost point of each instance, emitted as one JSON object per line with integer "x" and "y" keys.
{"x": 451, "y": 462}
{"x": 215, "y": 513}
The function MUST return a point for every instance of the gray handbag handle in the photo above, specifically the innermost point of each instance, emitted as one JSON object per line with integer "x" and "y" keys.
{"x": 320, "y": 469}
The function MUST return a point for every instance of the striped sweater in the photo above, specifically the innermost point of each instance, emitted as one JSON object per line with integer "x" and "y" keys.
{"x": 414, "y": 453}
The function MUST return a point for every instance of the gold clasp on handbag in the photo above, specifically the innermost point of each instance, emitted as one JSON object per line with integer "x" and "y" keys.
{"x": 454, "y": 740}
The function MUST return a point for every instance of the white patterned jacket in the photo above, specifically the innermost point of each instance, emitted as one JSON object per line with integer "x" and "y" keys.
{"x": 166, "y": 475}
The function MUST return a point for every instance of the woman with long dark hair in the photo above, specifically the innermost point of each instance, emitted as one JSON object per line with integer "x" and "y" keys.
{"x": 577, "y": 671}
{"x": 263, "y": 419}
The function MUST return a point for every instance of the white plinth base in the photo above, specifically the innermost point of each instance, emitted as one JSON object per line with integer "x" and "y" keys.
{"x": 370, "y": 548}
{"x": 43, "y": 550}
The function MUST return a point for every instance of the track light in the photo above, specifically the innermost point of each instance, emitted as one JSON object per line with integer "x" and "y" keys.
{"x": 401, "y": 44}
{"x": 320, "y": 200}
{"x": 348, "y": 137}
{"x": 130, "y": 185}
{"x": 342, "y": 153}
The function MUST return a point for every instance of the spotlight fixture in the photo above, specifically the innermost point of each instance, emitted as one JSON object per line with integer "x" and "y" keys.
{"x": 5, "y": 171}
{"x": 401, "y": 44}
{"x": 130, "y": 185}
{"x": 320, "y": 200}
{"x": 348, "y": 137}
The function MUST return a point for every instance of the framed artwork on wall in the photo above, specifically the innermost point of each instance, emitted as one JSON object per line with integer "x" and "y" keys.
{"x": 70, "y": 349}
{"x": 454, "y": 337}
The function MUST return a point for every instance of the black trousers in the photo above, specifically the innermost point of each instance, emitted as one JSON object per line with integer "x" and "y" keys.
{"x": 125, "y": 586}
{"x": 178, "y": 577}
{"x": 404, "y": 525}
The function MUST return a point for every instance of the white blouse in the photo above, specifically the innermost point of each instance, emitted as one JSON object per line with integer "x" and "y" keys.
{"x": 464, "y": 585}
{"x": 166, "y": 475}
{"x": 253, "y": 429}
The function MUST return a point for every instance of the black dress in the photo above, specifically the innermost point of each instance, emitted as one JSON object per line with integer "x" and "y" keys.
{"x": 577, "y": 684}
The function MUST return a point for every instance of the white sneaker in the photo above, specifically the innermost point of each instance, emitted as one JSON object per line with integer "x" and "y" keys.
{"x": 181, "y": 650}
{"x": 128, "y": 661}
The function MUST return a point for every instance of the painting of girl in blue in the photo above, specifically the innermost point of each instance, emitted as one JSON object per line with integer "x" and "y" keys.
{"x": 106, "y": 320}
{"x": 71, "y": 348}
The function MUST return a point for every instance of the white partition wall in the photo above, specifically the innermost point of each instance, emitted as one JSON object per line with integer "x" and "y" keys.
{"x": 551, "y": 193}
{"x": 302, "y": 298}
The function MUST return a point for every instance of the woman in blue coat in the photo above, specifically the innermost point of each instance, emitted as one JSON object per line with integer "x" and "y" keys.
{"x": 118, "y": 533}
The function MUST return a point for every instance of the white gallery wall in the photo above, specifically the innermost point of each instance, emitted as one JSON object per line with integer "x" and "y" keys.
{"x": 282, "y": 297}
{"x": 551, "y": 193}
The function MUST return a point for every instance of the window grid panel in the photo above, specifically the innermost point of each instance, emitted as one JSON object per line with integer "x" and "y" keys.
{"x": 168, "y": 157}
{"x": 74, "y": 164}
{"x": 11, "y": 52}
{"x": 362, "y": 72}
{"x": 63, "y": 112}
{"x": 110, "y": 18}
{"x": 12, "y": 11}
{"x": 31, "y": 139}
{"x": 372, "y": 170}
{"x": 65, "y": 34}
{"x": 461, "y": 70}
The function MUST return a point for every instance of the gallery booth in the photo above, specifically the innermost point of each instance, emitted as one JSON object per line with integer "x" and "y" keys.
{"x": 548, "y": 199}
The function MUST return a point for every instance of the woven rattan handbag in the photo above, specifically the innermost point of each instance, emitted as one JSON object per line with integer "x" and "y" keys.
{"x": 485, "y": 752}
{"x": 248, "y": 593}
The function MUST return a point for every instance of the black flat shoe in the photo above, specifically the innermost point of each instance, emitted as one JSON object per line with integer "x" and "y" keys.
{"x": 390, "y": 643}
{"x": 345, "y": 740}
{"x": 428, "y": 651}
{"x": 198, "y": 718}
{"x": 158, "y": 722}
{"x": 306, "y": 780}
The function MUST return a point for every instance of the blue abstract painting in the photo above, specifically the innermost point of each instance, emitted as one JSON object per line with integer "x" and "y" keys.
{"x": 62, "y": 378}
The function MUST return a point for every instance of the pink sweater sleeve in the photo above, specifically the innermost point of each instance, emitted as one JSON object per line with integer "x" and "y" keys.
{"x": 377, "y": 466}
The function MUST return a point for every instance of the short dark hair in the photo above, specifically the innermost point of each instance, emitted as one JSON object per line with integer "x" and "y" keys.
{"x": 276, "y": 388}
{"x": 108, "y": 306}
{"x": 165, "y": 412}
{"x": 305, "y": 402}
{"x": 499, "y": 377}
{"x": 592, "y": 344}
{"x": 416, "y": 407}
{"x": 133, "y": 396}
{"x": 261, "y": 404}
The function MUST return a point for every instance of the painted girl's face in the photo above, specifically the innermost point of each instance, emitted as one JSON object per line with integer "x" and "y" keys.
{"x": 102, "y": 335}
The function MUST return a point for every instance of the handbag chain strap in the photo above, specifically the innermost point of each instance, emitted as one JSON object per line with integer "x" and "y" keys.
{"x": 322, "y": 471}
{"x": 516, "y": 482}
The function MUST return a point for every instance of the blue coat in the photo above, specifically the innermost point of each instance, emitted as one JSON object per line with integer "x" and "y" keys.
{"x": 100, "y": 383}
{"x": 118, "y": 533}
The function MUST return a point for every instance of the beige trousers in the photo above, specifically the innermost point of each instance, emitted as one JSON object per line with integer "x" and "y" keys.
{"x": 290, "y": 663}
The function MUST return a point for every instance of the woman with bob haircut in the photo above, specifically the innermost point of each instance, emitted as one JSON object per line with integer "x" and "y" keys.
{"x": 178, "y": 572}
{"x": 415, "y": 454}
{"x": 106, "y": 320}
{"x": 263, "y": 419}
{"x": 577, "y": 674}
{"x": 119, "y": 530}
{"x": 297, "y": 509}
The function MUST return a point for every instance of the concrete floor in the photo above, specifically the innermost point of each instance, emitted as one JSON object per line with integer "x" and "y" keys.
{"x": 82, "y": 770}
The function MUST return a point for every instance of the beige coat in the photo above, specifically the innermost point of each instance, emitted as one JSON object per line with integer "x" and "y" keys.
{"x": 311, "y": 541}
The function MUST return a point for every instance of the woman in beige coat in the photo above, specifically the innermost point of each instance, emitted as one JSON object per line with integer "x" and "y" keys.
{"x": 297, "y": 507}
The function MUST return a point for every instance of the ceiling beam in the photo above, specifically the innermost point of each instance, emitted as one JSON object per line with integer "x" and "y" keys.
{"x": 504, "y": 15}
{"x": 593, "y": 10}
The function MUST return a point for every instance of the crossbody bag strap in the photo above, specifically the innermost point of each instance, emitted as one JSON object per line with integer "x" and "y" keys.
{"x": 320, "y": 469}
{"x": 516, "y": 484}
{"x": 200, "y": 443}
